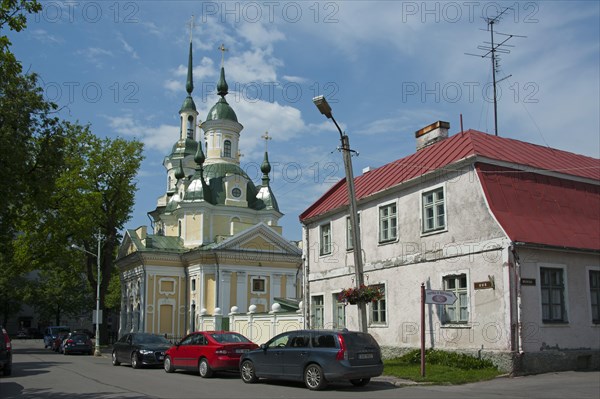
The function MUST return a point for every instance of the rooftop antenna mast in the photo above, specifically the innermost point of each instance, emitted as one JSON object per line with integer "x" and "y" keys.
{"x": 491, "y": 49}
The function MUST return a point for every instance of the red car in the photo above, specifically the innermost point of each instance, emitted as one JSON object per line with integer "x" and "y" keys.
{"x": 207, "y": 352}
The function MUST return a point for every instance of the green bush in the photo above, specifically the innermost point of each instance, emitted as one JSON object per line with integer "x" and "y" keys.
{"x": 450, "y": 359}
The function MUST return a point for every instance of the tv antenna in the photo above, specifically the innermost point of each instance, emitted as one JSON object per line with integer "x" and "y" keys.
{"x": 491, "y": 50}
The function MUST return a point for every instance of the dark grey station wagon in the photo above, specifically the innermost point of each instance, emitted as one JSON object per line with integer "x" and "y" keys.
{"x": 315, "y": 357}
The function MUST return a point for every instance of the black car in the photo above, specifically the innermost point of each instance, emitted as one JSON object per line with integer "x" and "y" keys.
{"x": 5, "y": 352}
{"x": 140, "y": 349}
{"x": 77, "y": 343}
{"x": 315, "y": 357}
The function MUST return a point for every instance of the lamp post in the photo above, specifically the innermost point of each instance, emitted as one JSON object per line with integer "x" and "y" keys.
{"x": 325, "y": 109}
{"x": 98, "y": 236}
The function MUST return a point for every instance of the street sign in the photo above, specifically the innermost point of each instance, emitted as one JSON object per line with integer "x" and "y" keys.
{"x": 439, "y": 297}
{"x": 94, "y": 317}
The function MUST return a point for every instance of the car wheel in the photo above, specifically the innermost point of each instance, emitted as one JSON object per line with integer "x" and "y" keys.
{"x": 115, "y": 362}
{"x": 314, "y": 378}
{"x": 167, "y": 365}
{"x": 135, "y": 361}
{"x": 204, "y": 369}
{"x": 248, "y": 372}
{"x": 361, "y": 382}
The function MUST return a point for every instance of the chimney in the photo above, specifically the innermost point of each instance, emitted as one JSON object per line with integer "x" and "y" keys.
{"x": 431, "y": 134}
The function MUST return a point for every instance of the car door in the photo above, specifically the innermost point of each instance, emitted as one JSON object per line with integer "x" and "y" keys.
{"x": 120, "y": 347}
{"x": 182, "y": 355}
{"x": 197, "y": 349}
{"x": 270, "y": 360}
{"x": 295, "y": 354}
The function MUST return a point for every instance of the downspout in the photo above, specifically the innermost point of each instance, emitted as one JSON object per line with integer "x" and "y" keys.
{"x": 516, "y": 294}
{"x": 306, "y": 288}
{"x": 143, "y": 310}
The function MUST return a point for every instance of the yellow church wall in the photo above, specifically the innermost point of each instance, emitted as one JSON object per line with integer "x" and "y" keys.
{"x": 283, "y": 293}
{"x": 221, "y": 225}
{"x": 192, "y": 227}
{"x": 209, "y": 293}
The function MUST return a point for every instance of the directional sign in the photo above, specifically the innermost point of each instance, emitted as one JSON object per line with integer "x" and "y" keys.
{"x": 440, "y": 297}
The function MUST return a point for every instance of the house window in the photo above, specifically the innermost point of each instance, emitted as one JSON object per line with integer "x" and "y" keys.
{"x": 339, "y": 313}
{"x": 349, "y": 242}
{"x": 553, "y": 295}
{"x": 227, "y": 148}
{"x": 434, "y": 210}
{"x": 193, "y": 284}
{"x": 179, "y": 229}
{"x": 325, "y": 233}
{"x": 317, "y": 311}
{"x": 387, "y": 223}
{"x": 595, "y": 295}
{"x": 458, "y": 312}
{"x": 378, "y": 311}
{"x": 258, "y": 285}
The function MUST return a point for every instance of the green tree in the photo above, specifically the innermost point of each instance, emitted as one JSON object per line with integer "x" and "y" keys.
{"x": 31, "y": 141}
{"x": 94, "y": 193}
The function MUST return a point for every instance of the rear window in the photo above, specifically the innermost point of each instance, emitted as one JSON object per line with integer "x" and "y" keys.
{"x": 323, "y": 341}
{"x": 360, "y": 340}
{"x": 229, "y": 338}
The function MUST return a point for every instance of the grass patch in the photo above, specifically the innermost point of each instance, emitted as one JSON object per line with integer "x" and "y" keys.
{"x": 441, "y": 368}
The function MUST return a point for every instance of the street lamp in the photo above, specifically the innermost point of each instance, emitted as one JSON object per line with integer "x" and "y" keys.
{"x": 325, "y": 109}
{"x": 98, "y": 236}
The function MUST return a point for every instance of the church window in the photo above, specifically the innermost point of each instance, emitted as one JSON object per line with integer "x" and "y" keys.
{"x": 179, "y": 229}
{"x": 227, "y": 149}
{"x": 190, "y": 127}
{"x": 258, "y": 285}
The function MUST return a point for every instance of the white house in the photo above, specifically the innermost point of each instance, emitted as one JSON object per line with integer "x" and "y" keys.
{"x": 512, "y": 228}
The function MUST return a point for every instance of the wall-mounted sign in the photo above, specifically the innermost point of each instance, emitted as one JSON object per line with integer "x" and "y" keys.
{"x": 483, "y": 285}
{"x": 527, "y": 281}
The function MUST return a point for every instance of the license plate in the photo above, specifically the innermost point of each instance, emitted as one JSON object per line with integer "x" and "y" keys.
{"x": 365, "y": 356}
{"x": 161, "y": 358}
{"x": 241, "y": 350}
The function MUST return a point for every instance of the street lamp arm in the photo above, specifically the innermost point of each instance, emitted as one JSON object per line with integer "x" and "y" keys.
{"x": 77, "y": 247}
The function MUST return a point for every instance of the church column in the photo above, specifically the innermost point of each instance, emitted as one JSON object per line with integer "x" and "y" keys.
{"x": 225, "y": 291}
{"x": 275, "y": 288}
{"x": 290, "y": 285}
{"x": 242, "y": 291}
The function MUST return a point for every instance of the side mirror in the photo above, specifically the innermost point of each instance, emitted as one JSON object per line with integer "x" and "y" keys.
{"x": 263, "y": 347}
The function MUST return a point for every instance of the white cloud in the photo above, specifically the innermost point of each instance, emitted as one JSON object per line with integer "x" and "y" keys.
{"x": 160, "y": 138}
{"x": 43, "y": 36}
{"x": 95, "y": 55}
{"x": 127, "y": 47}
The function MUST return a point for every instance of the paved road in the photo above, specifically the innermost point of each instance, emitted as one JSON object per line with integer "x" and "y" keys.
{"x": 42, "y": 374}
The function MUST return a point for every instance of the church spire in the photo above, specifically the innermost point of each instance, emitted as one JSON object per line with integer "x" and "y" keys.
{"x": 266, "y": 166}
{"x": 222, "y": 87}
{"x": 189, "y": 85}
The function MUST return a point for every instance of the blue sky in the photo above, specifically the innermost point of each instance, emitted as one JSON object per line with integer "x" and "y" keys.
{"x": 387, "y": 68}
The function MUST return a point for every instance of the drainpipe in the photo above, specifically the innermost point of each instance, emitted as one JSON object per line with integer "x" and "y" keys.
{"x": 516, "y": 296}
{"x": 306, "y": 288}
{"x": 218, "y": 280}
{"x": 185, "y": 300}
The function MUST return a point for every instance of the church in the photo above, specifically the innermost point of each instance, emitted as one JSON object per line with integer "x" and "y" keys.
{"x": 215, "y": 242}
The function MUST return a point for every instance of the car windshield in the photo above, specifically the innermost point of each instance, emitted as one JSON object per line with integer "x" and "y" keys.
{"x": 229, "y": 338}
{"x": 151, "y": 339}
{"x": 360, "y": 340}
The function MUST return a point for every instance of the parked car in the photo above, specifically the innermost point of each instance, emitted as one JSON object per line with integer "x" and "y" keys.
{"x": 315, "y": 357}
{"x": 207, "y": 352}
{"x": 77, "y": 343}
{"x": 51, "y": 332}
{"x": 5, "y": 352}
{"x": 140, "y": 349}
{"x": 56, "y": 345}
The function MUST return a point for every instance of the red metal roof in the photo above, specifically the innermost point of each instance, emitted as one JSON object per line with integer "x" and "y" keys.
{"x": 446, "y": 152}
{"x": 538, "y": 209}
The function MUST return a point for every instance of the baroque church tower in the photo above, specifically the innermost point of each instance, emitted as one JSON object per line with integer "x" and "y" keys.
{"x": 216, "y": 242}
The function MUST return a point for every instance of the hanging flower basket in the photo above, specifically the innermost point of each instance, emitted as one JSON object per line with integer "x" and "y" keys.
{"x": 362, "y": 294}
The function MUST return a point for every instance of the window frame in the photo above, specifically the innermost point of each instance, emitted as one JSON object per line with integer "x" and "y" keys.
{"x": 380, "y": 238}
{"x": 313, "y": 307}
{"x": 227, "y": 148}
{"x": 564, "y": 294}
{"x": 436, "y": 228}
{"x": 591, "y": 270}
{"x": 375, "y": 307}
{"x": 349, "y": 243}
{"x": 458, "y": 305}
{"x": 254, "y": 279}
{"x": 322, "y": 250}
{"x": 339, "y": 308}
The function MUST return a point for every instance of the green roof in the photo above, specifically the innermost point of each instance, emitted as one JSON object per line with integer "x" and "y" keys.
{"x": 188, "y": 104}
{"x": 221, "y": 110}
{"x": 184, "y": 148}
